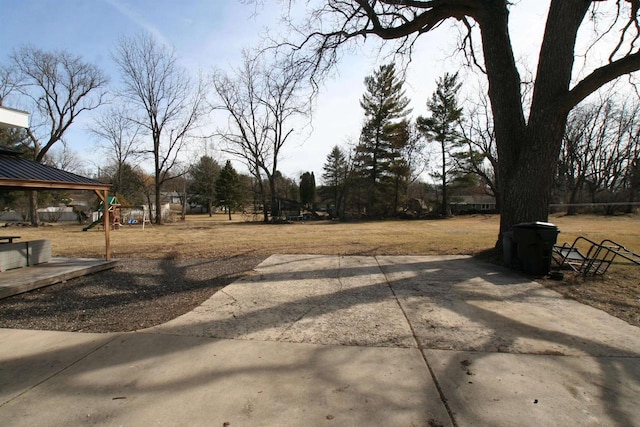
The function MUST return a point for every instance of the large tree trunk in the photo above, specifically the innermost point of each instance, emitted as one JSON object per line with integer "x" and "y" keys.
{"x": 509, "y": 123}
{"x": 263, "y": 199}
{"x": 445, "y": 197}
{"x": 33, "y": 208}
{"x": 158, "y": 204}
{"x": 156, "y": 156}
{"x": 275, "y": 209}
{"x": 528, "y": 153}
{"x": 526, "y": 194}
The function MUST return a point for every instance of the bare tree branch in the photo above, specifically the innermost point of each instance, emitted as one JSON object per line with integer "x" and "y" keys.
{"x": 261, "y": 102}
{"x": 599, "y": 78}
{"x": 169, "y": 106}
{"x": 61, "y": 86}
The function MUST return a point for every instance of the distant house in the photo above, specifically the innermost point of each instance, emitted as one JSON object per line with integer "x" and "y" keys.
{"x": 171, "y": 197}
{"x": 473, "y": 203}
{"x": 57, "y": 214}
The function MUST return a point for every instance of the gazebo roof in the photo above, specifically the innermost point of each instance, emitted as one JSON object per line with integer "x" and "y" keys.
{"x": 17, "y": 172}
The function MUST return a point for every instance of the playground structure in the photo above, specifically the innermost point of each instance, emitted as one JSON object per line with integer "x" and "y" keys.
{"x": 114, "y": 215}
{"x": 122, "y": 215}
{"x": 135, "y": 215}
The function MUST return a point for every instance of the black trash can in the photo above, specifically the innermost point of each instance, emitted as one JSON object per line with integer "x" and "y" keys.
{"x": 509, "y": 252}
{"x": 534, "y": 242}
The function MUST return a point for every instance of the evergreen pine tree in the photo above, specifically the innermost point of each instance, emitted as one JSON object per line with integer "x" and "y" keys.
{"x": 307, "y": 189}
{"x": 204, "y": 174}
{"x": 229, "y": 188}
{"x": 334, "y": 179}
{"x": 385, "y": 105}
{"x": 442, "y": 128}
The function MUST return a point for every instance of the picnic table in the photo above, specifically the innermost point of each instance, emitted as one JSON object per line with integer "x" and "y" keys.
{"x": 8, "y": 239}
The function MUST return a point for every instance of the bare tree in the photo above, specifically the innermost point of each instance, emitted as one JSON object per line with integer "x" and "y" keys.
{"x": 599, "y": 153}
{"x": 63, "y": 157}
{"x": 583, "y": 134}
{"x": 9, "y": 81}
{"x": 120, "y": 139}
{"x": 631, "y": 137}
{"x": 60, "y": 86}
{"x": 614, "y": 146}
{"x": 261, "y": 103}
{"x": 528, "y": 146}
{"x": 478, "y": 153}
{"x": 169, "y": 103}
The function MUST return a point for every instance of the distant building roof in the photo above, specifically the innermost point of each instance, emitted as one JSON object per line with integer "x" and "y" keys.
{"x": 474, "y": 199}
{"x": 17, "y": 172}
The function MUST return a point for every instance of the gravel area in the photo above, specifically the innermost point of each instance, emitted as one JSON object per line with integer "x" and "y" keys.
{"x": 135, "y": 294}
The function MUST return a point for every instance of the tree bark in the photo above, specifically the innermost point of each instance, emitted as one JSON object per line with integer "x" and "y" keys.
{"x": 445, "y": 198}
{"x": 528, "y": 152}
{"x": 33, "y": 208}
{"x": 156, "y": 157}
{"x": 275, "y": 211}
{"x": 158, "y": 206}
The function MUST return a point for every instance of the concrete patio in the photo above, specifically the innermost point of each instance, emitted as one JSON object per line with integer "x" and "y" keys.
{"x": 322, "y": 340}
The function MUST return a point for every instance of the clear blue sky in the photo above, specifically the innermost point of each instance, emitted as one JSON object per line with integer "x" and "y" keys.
{"x": 208, "y": 33}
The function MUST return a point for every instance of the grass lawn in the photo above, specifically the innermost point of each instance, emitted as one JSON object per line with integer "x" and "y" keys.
{"x": 203, "y": 237}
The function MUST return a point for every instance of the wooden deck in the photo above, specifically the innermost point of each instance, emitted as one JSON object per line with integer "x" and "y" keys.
{"x": 26, "y": 279}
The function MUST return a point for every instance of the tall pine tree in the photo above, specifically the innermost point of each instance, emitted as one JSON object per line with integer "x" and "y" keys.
{"x": 204, "y": 175}
{"x": 442, "y": 128}
{"x": 308, "y": 189}
{"x": 334, "y": 180}
{"x": 229, "y": 188}
{"x": 385, "y": 105}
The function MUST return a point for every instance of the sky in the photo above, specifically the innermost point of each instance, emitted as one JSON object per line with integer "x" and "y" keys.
{"x": 212, "y": 33}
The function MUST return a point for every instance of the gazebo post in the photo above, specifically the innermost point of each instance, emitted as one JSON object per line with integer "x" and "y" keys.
{"x": 107, "y": 226}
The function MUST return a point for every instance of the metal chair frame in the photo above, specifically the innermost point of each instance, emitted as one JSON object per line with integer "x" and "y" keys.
{"x": 596, "y": 260}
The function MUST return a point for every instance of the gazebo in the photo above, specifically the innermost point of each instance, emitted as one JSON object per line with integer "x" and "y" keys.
{"x": 17, "y": 173}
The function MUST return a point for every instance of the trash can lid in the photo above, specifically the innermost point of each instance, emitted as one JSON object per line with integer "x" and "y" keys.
{"x": 536, "y": 224}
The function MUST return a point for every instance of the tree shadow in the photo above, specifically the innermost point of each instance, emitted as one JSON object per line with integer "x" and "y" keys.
{"x": 446, "y": 303}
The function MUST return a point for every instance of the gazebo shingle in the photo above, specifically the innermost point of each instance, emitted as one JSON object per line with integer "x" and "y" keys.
{"x": 19, "y": 172}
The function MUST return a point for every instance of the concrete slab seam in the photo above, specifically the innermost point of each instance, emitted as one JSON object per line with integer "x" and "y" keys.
{"x": 310, "y": 309}
{"x": 443, "y": 398}
{"x": 60, "y": 371}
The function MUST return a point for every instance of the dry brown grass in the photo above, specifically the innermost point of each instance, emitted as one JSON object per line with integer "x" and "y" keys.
{"x": 618, "y": 292}
{"x": 203, "y": 237}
